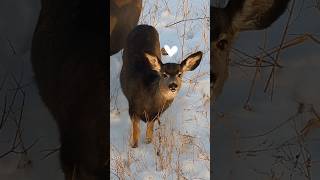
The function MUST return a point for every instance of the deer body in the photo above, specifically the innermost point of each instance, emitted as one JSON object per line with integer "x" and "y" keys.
{"x": 124, "y": 16}
{"x": 149, "y": 85}
{"x": 138, "y": 81}
{"x": 237, "y": 16}
{"x": 69, "y": 60}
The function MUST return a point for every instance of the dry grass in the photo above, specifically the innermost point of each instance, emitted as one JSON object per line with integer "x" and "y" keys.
{"x": 13, "y": 97}
{"x": 287, "y": 155}
{"x": 171, "y": 146}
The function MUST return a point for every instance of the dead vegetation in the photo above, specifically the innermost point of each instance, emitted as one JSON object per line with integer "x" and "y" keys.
{"x": 287, "y": 156}
{"x": 13, "y": 98}
{"x": 171, "y": 145}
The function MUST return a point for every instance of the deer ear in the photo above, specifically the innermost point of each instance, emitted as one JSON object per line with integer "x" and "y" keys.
{"x": 153, "y": 61}
{"x": 255, "y": 14}
{"x": 191, "y": 62}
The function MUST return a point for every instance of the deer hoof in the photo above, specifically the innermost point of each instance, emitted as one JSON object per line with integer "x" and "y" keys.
{"x": 148, "y": 140}
{"x": 134, "y": 145}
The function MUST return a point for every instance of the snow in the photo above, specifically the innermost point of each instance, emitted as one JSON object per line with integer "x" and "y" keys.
{"x": 185, "y": 132}
{"x": 295, "y": 84}
{"x": 183, "y": 151}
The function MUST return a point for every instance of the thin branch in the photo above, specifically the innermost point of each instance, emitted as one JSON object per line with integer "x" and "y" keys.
{"x": 192, "y": 19}
{"x": 11, "y": 46}
{"x": 284, "y": 35}
{"x": 50, "y": 152}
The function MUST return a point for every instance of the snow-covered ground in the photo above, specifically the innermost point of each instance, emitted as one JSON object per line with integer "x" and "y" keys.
{"x": 264, "y": 140}
{"x": 184, "y": 149}
{"x": 17, "y": 23}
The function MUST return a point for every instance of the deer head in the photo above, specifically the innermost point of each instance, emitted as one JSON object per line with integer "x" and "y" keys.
{"x": 171, "y": 73}
{"x": 227, "y": 22}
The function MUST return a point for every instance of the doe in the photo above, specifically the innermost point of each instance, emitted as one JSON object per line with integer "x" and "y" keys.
{"x": 237, "y": 16}
{"x": 149, "y": 85}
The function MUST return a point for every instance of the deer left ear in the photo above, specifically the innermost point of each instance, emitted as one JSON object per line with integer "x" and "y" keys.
{"x": 153, "y": 61}
{"x": 191, "y": 62}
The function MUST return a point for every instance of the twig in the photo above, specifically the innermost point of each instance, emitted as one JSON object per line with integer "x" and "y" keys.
{"x": 192, "y": 19}
{"x": 279, "y": 49}
{"x": 11, "y": 46}
{"x": 50, "y": 152}
{"x": 276, "y": 127}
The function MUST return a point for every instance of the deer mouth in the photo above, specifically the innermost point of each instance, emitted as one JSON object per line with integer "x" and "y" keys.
{"x": 169, "y": 94}
{"x": 173, "y": 90}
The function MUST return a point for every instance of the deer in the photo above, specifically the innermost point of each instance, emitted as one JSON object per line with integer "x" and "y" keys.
{"x": 149, "y": 85}
{"x": 227, "y": 23}
{"x": 69, "y": 61}
{"x": 124, "y": 16}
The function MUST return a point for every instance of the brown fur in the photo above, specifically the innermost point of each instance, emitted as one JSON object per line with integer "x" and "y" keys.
{"x": 238, "y": 15}
{"x": 146, "y": 81}
{"x": 69, "y": 60}
{"x": 124, "y": 16}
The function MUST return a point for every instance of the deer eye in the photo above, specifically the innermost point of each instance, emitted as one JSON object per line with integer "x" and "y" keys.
{"x": 222, "y": 44}
{"x": 180, "y": 74}
{"x": 164, "y": 75}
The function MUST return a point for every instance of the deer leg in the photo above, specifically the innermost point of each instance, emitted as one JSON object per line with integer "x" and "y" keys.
{"x": 67, "y": 160}
{"x": 149, "y": 132}
{"x": 83, "y": 126}
{"x": 135, "y": 131}
{"x": 83, "y": 152}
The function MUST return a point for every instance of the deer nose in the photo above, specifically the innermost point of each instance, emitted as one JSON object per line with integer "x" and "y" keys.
{"x": 173, "y": 87}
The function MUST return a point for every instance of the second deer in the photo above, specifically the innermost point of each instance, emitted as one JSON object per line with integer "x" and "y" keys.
{"x": 237, "y": 16}
{"x": 149, "y": 85}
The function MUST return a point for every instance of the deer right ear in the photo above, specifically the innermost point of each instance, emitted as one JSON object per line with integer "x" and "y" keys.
{"x": 153, "y": 61}
{"x": 255, "y": 14}
{"x": 191, "y": 62}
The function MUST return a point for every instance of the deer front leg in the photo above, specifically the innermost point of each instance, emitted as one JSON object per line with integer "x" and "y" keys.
{"x": 149, "y": 132}
{"x": 135, "y": 131}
